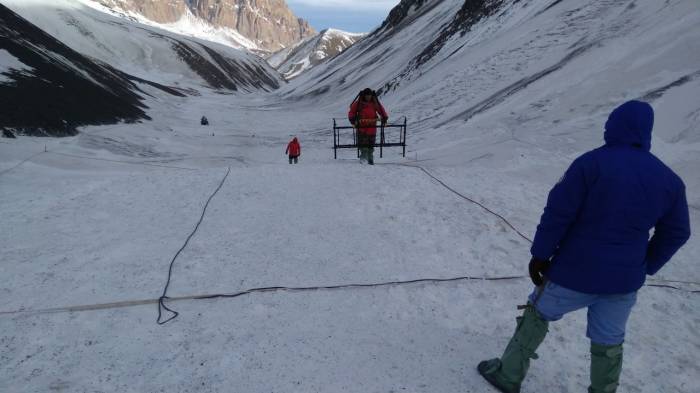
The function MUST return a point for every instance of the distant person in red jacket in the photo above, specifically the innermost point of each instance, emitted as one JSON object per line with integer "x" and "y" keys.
{"x": 364, "y": 113}
{"x": 293, "y": 150}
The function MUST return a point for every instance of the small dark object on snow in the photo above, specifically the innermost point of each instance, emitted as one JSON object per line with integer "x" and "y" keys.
{"x": 8, "y": 134}
{"x": 205, "y": 121}
{"x": 537, "y": 270}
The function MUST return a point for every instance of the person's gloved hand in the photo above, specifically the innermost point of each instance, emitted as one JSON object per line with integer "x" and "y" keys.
{"x": 537, "y": 269}
{"x": 384, "y": 120}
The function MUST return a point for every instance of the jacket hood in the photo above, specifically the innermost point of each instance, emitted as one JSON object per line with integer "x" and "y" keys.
{"x": 630, "y": 124}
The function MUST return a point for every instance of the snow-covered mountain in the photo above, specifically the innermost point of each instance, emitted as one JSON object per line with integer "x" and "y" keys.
{"x": 147, "y": 52}
{"x": 506, "y": 74}
{"x": 131, "y": 52}
{"x": 46, "y": 88}
{"x": 329, "y": 43}
{"x": 256, "y": 25}
{"x": 450, "y": 63}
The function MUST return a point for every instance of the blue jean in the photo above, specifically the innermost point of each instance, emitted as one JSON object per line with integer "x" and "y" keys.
{"x": 607, "y": 314}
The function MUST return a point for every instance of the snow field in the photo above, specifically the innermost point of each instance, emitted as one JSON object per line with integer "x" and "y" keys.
{"x": 339, "y": 224}
{"x": 93, "y": 237}
{"x": 418, "y": 338}
{"x": 106, "y": 231}
{"x": 86, "y": 230}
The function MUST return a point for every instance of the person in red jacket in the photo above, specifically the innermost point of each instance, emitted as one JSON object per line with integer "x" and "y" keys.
{"x": 293, "y": 150}
{"x": 364, "y": 113}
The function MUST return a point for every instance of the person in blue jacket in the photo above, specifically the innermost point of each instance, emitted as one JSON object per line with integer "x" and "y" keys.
{"x": 592, "y": 248}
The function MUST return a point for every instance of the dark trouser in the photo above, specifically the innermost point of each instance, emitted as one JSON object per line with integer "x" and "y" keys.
{"x": 295, "y": 159}
{"x": 366, "y": 144}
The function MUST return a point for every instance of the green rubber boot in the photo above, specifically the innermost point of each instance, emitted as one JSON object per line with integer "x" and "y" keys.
{"x": 606, "y": 366}
{"x": 507, "y": 373}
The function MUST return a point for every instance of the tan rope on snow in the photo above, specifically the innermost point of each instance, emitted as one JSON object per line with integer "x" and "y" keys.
{"x": 135, "y": 303}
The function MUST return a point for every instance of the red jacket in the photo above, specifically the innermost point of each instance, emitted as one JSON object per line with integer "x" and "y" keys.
{"x": 293, "y": 148}
{"x": 365, "y": 113}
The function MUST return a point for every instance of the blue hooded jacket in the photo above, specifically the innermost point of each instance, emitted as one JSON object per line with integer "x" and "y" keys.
{"x": 595, "y": 227}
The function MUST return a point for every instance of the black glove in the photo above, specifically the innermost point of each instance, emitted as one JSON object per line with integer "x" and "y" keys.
{"x": 537, "y": 269}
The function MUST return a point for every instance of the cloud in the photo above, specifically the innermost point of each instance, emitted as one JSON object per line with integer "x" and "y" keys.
{"x": 350, "y": 5}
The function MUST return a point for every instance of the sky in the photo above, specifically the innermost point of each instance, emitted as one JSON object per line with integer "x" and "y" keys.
{"x": 356, "y": 16}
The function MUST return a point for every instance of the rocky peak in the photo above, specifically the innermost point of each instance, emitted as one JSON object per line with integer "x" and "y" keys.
{"x": 329, "y": 43}
{"x": 270, "y": 24}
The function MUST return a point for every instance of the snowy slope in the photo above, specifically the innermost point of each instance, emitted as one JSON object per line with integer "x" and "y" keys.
{"x": 557, "y": 66}
{"x": 125, "y": 198}
{"x": 497, "y": 114}
{"x": 147, "y": 52}
{"x": 47, "y": 88}
{"x": 292, "y": 62}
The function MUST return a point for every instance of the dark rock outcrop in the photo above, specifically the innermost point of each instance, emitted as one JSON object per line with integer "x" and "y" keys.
{"x": 471, "y": 13}
{"x": 398, "y": 14}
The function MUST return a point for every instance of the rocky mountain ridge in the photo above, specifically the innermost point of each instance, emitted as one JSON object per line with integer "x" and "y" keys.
{"x": 268, "y": 24}
{"x": 329, "y": 43}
